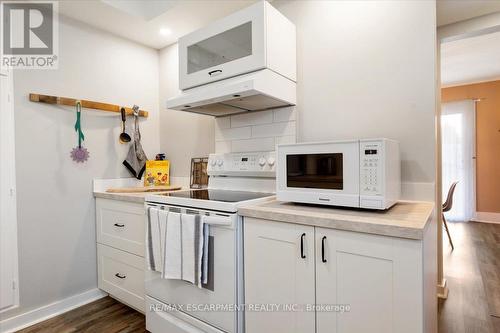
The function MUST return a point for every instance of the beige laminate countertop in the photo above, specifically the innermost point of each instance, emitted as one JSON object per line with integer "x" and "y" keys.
{"x": 139, "y": 197}
{"x": 406, "y": 219}
{"x": 130, "y": 197}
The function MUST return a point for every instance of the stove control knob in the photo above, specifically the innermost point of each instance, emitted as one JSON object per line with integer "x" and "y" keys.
{"x": 262, "y": 161}
{"x": 220, "y": 162}
{"x": 213, "y": 162}
{"x": 271, "y": 161}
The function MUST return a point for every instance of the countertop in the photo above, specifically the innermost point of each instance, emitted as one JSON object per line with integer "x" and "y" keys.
{"x": 406, "y": 219}
{"x": 130, "y": 197}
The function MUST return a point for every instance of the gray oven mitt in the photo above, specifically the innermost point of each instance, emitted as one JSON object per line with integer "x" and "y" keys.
{"x": 136, "y": 158}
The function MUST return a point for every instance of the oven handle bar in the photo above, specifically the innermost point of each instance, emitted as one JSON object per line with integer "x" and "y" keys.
{"x": 210, "y": 218}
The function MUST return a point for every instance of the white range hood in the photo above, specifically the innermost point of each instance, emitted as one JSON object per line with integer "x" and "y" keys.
{"x": 261, "y": 90}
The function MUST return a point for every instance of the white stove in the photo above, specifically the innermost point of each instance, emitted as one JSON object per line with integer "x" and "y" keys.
{"x": 236, "y": 179}
{"x": 220, "y": 200}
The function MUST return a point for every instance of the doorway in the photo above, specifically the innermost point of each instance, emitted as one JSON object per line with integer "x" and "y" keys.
{"x": 458, "y": 123}
{"x": 469, "y": 120}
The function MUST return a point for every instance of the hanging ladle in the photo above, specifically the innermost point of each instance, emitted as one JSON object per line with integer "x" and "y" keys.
{"x": 124, "y": 137}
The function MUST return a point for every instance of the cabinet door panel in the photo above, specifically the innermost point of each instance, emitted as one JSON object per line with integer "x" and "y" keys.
{"x": 376, "y": 276}
{"x": 231, "y": 46}
{"x": 277, "y": 275}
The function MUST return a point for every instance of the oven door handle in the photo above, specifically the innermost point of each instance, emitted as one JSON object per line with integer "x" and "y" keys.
{"x": 217, "y": 220}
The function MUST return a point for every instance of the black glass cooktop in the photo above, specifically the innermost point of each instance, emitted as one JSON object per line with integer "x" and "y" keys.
{"x": 218, "y": 195}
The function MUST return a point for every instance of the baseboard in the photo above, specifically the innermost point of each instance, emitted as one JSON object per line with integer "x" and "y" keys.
{"x": 487, "y": 217}
{"x": 48, "y": 311}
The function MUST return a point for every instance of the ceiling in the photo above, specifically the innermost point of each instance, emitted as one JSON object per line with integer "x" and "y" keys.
{"x": 142, "y": 20}
{"x": 470, "y": 60}
{"x": 451, "y": 11}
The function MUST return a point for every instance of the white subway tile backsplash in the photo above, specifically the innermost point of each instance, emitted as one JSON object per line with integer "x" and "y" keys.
{"x": 275, "y": 129}
{"x": 255, "y": 131}
{"x": 284, "y": 114}
{"x": 252, "y": 118}
{"x": 285, "y": 139}
{"x": 223, "y": 147}
{"x": 233, "y": 133}
{"x": 223, "y": 122}
{"x": 261, "y": 144}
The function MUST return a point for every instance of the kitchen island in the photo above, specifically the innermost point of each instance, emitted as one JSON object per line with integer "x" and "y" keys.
{"x": 328, "y": 269}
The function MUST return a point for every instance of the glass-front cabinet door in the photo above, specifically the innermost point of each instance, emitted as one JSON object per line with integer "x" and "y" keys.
{"x": 228, "y": 47}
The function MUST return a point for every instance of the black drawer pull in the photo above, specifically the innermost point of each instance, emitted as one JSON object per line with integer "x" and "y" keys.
{"x": 119, "y": 225}
{"x": 323, "y": 249}
{"x": 118, "y": 275}
{"x": 218, "y": 71}
{"x": 302, "y": 254}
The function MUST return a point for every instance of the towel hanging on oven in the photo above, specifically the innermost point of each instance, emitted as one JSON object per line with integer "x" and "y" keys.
{"x": 177, "y": 245}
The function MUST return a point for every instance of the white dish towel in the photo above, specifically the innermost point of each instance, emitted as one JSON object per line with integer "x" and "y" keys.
{"x": 173, "y": 247}
{"x": 153, "y": 243}
{"x": 192, "y": 248}
{"x": 177, "y": 246}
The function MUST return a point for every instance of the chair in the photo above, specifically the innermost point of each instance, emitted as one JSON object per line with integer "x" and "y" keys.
{"x": 446, "y": 207}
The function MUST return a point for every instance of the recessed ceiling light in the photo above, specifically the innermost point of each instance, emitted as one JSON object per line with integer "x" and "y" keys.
{"x": 165, "y": 31}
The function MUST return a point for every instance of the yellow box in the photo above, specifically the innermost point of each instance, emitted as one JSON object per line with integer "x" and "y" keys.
{"x": 157, "y": 173}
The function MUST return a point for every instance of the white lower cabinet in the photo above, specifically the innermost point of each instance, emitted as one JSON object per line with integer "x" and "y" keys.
{"x": 121, "y": 274}
{"x": 358, "y": 282}
{"x": 378, "y": 278}
{"x": 120, "y": 250}
{"x": 278, "y": 274}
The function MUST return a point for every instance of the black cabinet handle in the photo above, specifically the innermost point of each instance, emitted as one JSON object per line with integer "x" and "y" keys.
{"x": 118, "y": 275}
{"x": 119, "y": 225}
{"x": 302, "y": 255}
{"x": 215, "y": 71}
{"x": 323, "y": 249}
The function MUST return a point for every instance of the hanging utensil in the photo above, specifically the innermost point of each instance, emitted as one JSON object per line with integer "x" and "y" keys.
{"x": 136, "y": 158}
{"x": 79, "y": 154}
{"x": 124, "y": 137}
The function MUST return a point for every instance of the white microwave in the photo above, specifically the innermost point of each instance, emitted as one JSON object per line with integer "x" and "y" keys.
{"x": 354, "y": 173}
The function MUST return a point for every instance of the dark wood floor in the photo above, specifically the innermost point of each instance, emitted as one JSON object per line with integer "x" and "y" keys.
{"x": 473, "y": 304}
{"x": 473, "y": 274}
{"x": 102, "y": 316}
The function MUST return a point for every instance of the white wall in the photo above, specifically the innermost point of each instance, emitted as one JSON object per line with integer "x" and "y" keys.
{"x": 56, "y": 215}
{"x": 367, "y": 69}
{"x": 183, "y": 135}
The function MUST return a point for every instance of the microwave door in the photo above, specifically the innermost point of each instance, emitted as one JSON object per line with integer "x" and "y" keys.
{"x": 319, "y": 173}
{"x": 315, "y": 171}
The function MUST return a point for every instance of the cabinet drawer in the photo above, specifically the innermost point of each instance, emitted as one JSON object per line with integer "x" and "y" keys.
{"x": 159, "y": 320}
{"x": 121, "y": 225}
{"x": 121, "y": 274}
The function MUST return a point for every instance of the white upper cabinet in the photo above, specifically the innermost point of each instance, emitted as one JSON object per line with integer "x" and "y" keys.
{"x": 254, "y": 38}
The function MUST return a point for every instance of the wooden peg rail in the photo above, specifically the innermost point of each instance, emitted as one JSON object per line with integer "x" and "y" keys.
{"x": 85, "y": 104}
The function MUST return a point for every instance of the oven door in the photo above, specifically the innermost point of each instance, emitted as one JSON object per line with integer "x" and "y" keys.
{"x": 319, "y": 173}
{"x": 221, "y": 289}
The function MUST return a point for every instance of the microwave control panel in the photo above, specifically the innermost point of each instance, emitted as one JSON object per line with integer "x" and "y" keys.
{"x": 371, "y": 162}
{"x": 251, "y": 164}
